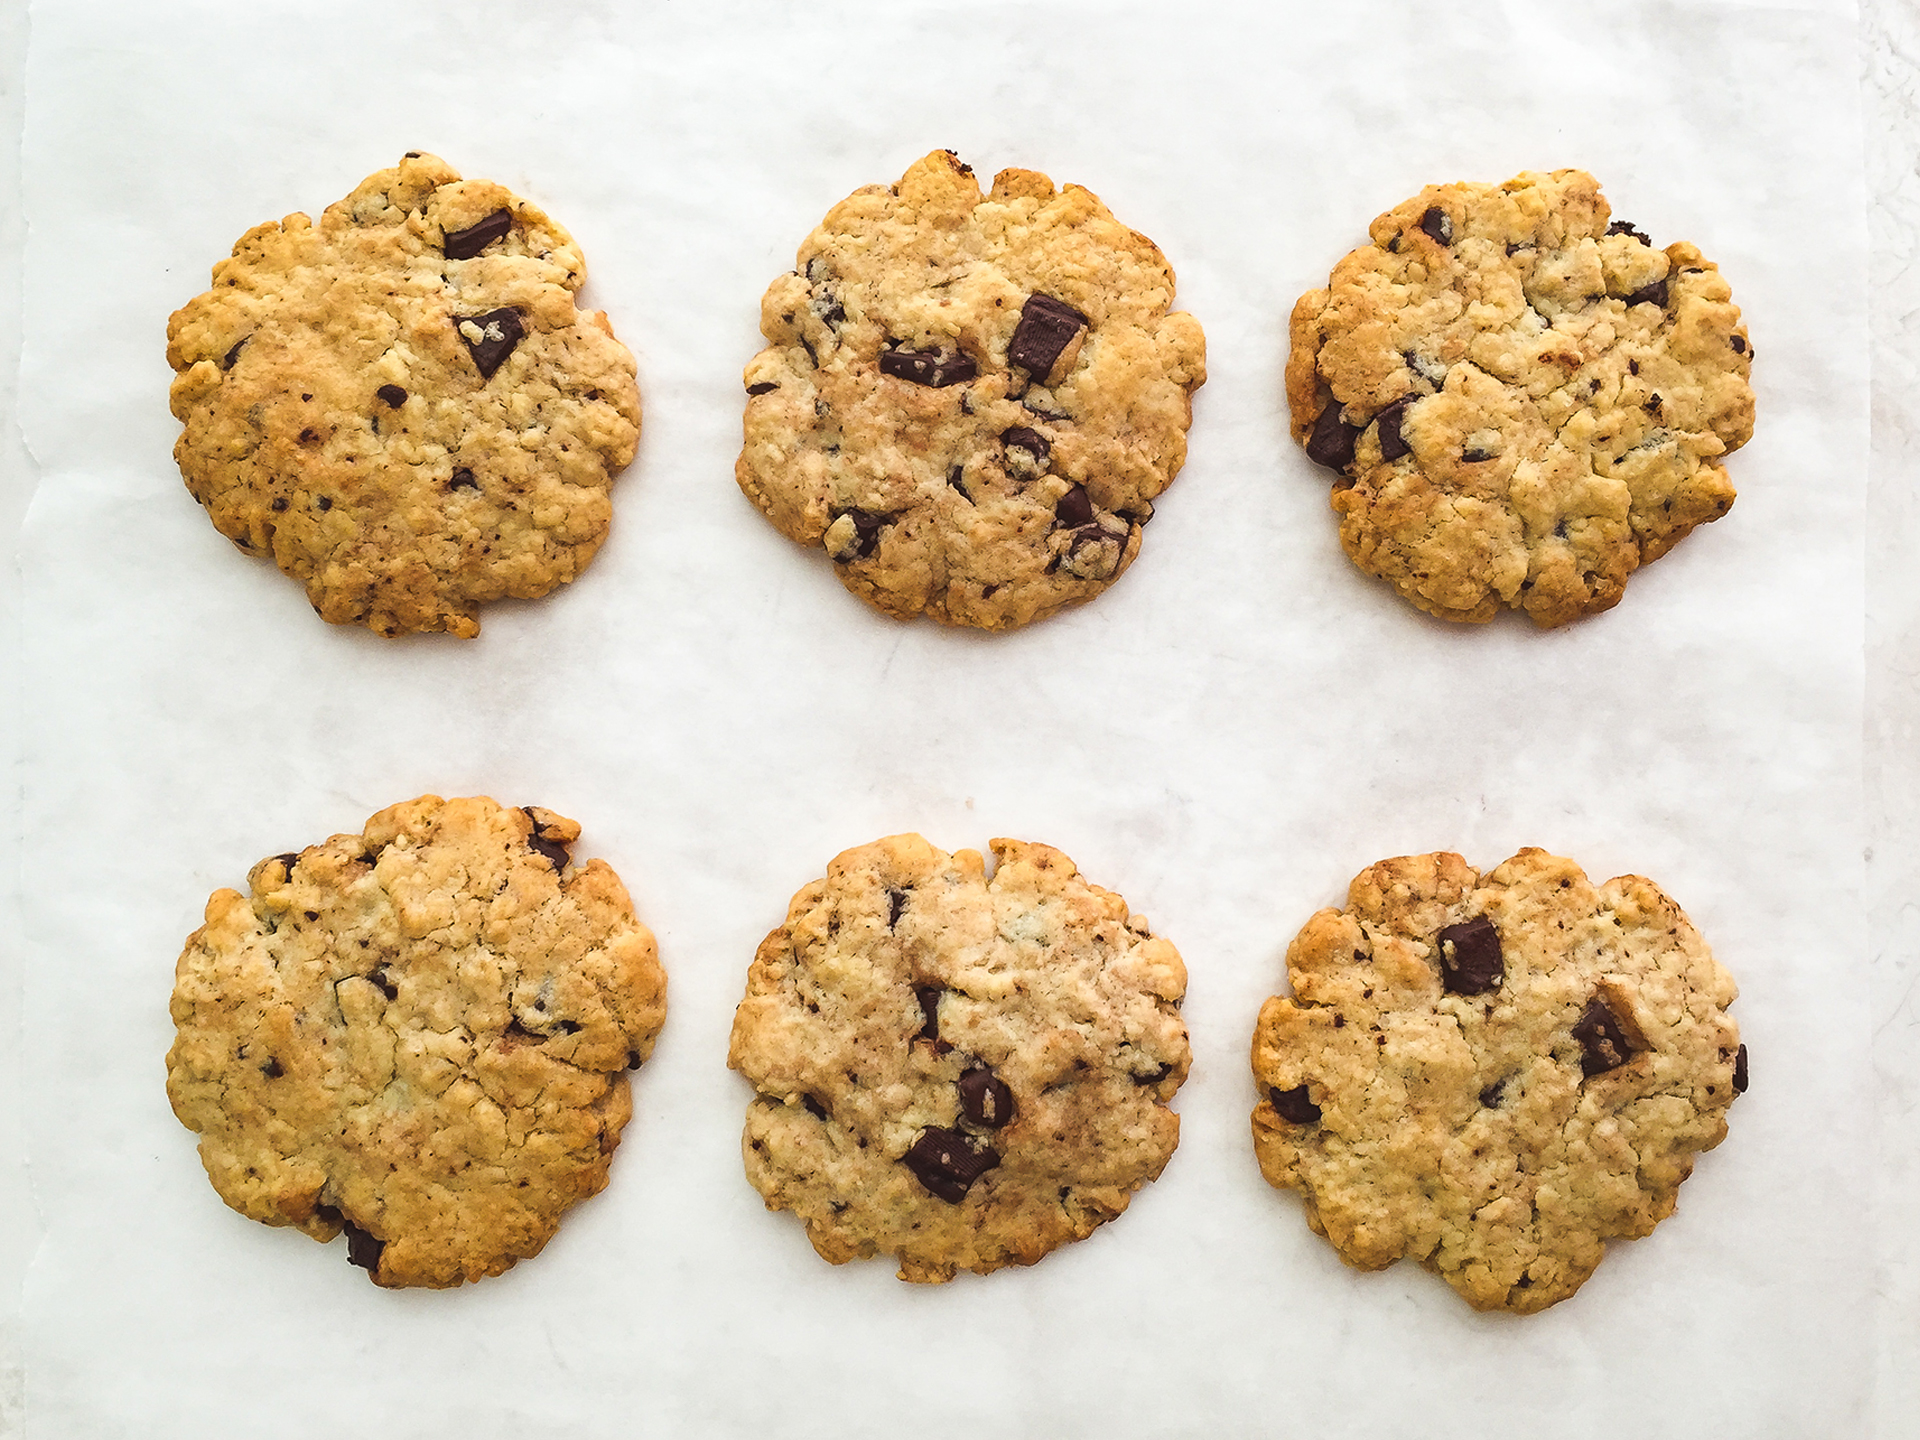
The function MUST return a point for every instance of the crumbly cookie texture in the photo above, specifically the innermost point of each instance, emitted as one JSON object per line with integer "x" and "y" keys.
{"x": 1524, "y": 402}
{"x": 401, "y": 405}
{"x": 958, "y": 1071}
{"x": 970, "y": 402}
{"x": 1494, "y": 1075}
{"x": 419, "y": 1035}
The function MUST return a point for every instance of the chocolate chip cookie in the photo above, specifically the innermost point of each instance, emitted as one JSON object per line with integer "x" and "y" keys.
{"x": 401, "y": 405}
{"x": 960, "y": 1071}
{"x": 418, "y": 1035}
{"x": 1494, "y": 1074}
{"x": 970, "y": 402}
{"x": 1523, "y": 402}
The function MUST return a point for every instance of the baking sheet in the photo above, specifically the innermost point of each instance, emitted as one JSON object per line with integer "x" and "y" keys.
{"x": 1225, "y": 737}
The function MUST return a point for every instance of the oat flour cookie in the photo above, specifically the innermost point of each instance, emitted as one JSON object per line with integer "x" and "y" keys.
{"x": 961, "y": 1072}
{"x": 401, "y": 405}
{"x": 970, "y": 402}
{"x": 1524, "y": 402}
{"x": 1494, "y": 1075}
{"x": 419, "y": 1035}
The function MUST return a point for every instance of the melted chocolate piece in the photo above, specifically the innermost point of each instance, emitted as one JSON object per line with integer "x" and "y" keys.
{"x": 288, "y": 859}
{"x": 326, "y": 503}
{"x": 1654, "y": 294}
{"x": 1470, "y": 962}
{"x": 1739, "y": 343}
{"x": 985, "y": 1098}
{"x": 363, "y": 1249}
{"x": 1438, "y": 225}
{"x": 929, "y": 998}
{"x": 1047, "y": 326}
{"x": 933, "y": 368}
{"x": 467, "y": 243}
{"x": 1490, "y": 1097}
{"x": 1740, "y": 1071}
{"x": 463, "y": 480}
{"x": 956, "y": 477}
{"x": 947, "y": 1164}
{"x": 1153, "y": 1077}
{"x": 279, "y": 502}
{"x": 1331, "y": 443}
{"x": 387, "y": 987}
{"x": 1626, "y": 227}
{"x": 273, "y": 1069}
{"x": 1293, "y": 1105}
{"x": 232, "y": 356}
{"x": 765, "y": 387}
{"x": 814, "y": 1107}
{"x": 1073, "y": 508}
{"x": 1031, "y": 441}
{"x": 554, "y": 851}
{"x": 633, "y": 1060}
{"x": 1473, "y": 454}
{"x": 866, "y": 528}
{"x": 393, "y": 395}
{"x": 501, "y": 330}
{"x": 897, "y": 900}
{"x": 1603, "y": 1044}
{"x": 1392, "y": 443}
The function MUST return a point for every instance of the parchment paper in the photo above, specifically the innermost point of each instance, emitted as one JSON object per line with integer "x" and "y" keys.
{"x": 1225, "y": 737}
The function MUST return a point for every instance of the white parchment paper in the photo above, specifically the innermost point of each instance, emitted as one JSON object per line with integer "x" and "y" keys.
{"x": 1225, "y": 737}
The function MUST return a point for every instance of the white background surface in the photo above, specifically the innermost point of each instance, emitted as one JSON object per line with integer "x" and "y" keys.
{"x": 1225, "y": 737}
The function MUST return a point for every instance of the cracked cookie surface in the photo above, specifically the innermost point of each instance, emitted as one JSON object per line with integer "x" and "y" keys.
{"x": 969, "y": 401}
{"x": 961, "y": 1072}
{"x": 419, "y": 1035}
{"x": 1524, "y": 402}
{"x": 1494, "y": 1074}
{"x": 401, "y": 405}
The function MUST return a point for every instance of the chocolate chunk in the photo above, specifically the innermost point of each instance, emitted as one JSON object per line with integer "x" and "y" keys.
{"x": 1603, "y": 1043}
{"x": 1031, "y": 441}
{"x": 393, "y": 395}
{"x": 985, "y": 1098}
{"x": 467, "y": 243}
{"x": 232, "y": 356}
{"x": 279, "y": 502}
{"x": 554, "y": 851}
{"x": 956, "y": 477}
{"x": 363, "y": 1249}
{"x": 288, "y": 859}
{"x": 1047, "y": 326}
{"x": 1626, "y": 227}
{"x": 1438, "y": 225}
{"x": 933, "y": 368}
{"x": 1392, "y": 443}
{"x": 1654, "y": 294}
{"x": 1739, "y": 343}
{"x": 947, "y": 1163}
{"x": 500, "y": 331}
{"x": 633, "y": 1060}
{"x": 1652, "y": 405}
{"x": 866, "y": 529}
{"x": 929, "y": 998}
{"x": 1293, "y": 1105}
{"x": 1331, "y": 443}
{"x": 897, "y": 900}
{"x": 1740, "y": 1071}
{"x": 463, "y": 480}
{"x": 814, "y": 1107}
{"x": 387, "y": 987}
{"x": 1473, "y": 454}
{"x": 273, "y": 1069}
{"x": 1470, "y": 962}
{"x": 1153, "y": 1077}
{"x": 765, "y": 387}
{"x": 1073, "y": 508}
{"x": 1490, "y": 1097}
{"x": 309, "y": 437}
{"x": 326, "y": 502}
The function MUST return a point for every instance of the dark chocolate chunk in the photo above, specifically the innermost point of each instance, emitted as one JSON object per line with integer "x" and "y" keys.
{"x": 929, "y": 998}
{"x": 1031, "y": 441}
{"x": 1490, "y": 1097}
{"x": 1073, "y": 508}
{"x": 387, "y": 987}
{"x": 273, "y": 1069}
{"x": 279, "y": 502}
{"x": 1438, "y": 225}
{"x": 1331, "y": 443}
{"x": 1470, "y": 962}
{"x": 554, "y": 851}
{"x": 1626, "y": 227}
{"x": 897, "y": 900}
{"x": 934, "y": 368}
{"x": 866, "y": 529}
{"x": 814, "y": 1107}
{"x": 467, "y": 243}
{"x": 288, "y": 859}
{"x": 956, "y": 477}
{"x": 363, "y": 1249}
{"x": 1603, "y": 1044}
{"x": 1652, "y": 405}
{"x": 311, "y": 914}
{"x": 633, "y": 1060}
{"x": 1154, "y": 1077}
{"x": 1294, "y": 1106}
{"x": 946, "y": 1162}
{"x": 326, "y": 502}
{"x": 1392, "y": 443}
{"x": 1739, "y": 343}
{"x": 500, "y": 331}
{"x": 1473, "y": 454}
{"x": 232, "y": 356}
{"x": 763, "y": 388}
{"x": 1047, "y": 326}
{"x": 1654, "y": 294}
{"x": 463, "y": 480}
{"x": 1633, "y": 367}
{"x": 1740, "y": 1071}
{"x": 309, "y": 436}
{"x": 985, "y": 1098}
{"x": 393, "y": 395}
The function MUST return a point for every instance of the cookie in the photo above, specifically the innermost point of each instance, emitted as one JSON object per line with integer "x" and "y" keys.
{"x": 418, "y": 1035}
{"x": 1494, "y": 1074}
{"x": 960, "y": 1071}
{"x": 401, "y": 405}
{"x": 970, "y": 402}
{"x": 1524, "y": 403}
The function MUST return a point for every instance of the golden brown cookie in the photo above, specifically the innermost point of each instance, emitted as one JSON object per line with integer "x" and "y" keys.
{"x": 961, "y": 1071}
{"x": 1494, "y": 1074}
{"x": 419, "y": 1035}
{"x": 401, "y": 405}
{"x": 1524, "y": 402}
{"x": 969, "y": 401}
